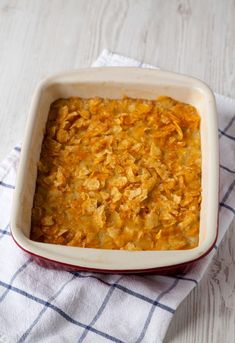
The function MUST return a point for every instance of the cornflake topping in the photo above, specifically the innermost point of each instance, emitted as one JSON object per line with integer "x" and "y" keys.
{"x": 119, "y": 174}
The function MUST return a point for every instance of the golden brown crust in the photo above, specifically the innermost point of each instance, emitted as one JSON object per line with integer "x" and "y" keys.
{"x": 119, "y": 174}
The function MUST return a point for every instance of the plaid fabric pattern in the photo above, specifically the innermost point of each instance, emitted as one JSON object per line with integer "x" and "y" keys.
{"x": 42, "y": 305}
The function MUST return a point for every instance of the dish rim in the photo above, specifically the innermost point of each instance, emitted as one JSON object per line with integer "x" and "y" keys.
{"x": 36, "y": 248}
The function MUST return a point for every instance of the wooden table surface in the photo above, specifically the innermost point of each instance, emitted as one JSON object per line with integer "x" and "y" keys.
{"x": 41, "y": 37}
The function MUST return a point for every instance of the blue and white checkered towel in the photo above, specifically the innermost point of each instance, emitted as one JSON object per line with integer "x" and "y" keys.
{"x": 42, "y": 305}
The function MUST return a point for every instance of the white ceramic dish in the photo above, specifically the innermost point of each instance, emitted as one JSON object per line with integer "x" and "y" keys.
{"x": 116, "y": 82}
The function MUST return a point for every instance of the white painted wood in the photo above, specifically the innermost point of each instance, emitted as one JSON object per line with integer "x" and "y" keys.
{"x": 41, "y": 37}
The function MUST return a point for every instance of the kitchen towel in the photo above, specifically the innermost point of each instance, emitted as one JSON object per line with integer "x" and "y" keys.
{"x": 45, "y": 305}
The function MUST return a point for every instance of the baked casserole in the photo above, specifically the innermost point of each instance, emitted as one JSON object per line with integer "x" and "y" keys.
{"x": 119, "y": 174}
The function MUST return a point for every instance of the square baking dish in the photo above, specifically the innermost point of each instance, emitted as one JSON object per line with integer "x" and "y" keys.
{"x": 116, "y": 82}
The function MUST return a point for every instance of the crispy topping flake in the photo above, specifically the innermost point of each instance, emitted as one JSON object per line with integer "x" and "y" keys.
{"x": 119, "y": 174}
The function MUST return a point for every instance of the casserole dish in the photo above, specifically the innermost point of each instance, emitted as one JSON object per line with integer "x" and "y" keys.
{"x": 115, "y": 83}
